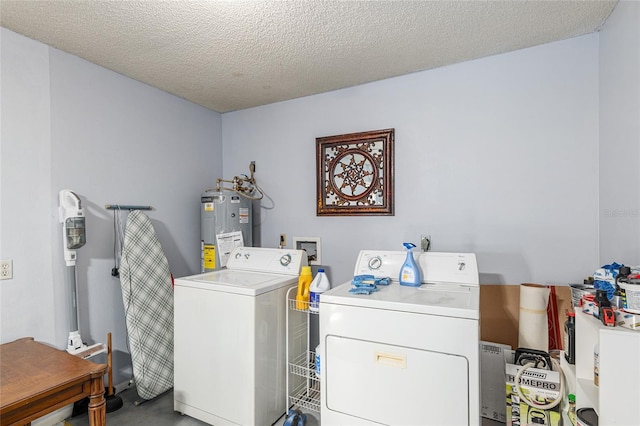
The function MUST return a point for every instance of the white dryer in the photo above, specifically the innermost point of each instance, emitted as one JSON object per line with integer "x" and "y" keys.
{"x": 229, "y": 339}
{"x": 403, "y": 355}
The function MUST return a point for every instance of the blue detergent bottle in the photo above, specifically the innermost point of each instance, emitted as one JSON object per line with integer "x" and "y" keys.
{"x": 410, "y": 273}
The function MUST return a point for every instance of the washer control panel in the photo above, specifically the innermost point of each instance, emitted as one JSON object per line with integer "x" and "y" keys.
{"x": 270, "y": 260}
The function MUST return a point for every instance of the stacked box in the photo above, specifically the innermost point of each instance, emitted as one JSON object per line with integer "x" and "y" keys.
{"x": 539, "y": 386}
{"x": 492, "y": 378}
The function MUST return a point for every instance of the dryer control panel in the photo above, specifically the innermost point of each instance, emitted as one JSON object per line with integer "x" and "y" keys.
{"x": 459, "y": 268}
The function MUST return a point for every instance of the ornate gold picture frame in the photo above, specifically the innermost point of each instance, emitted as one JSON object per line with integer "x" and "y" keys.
{"x": 355, "y": 174}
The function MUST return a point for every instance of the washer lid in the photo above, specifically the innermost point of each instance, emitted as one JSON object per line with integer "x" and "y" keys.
{"x": 238, "y": 282}
{"x": 446, "y": 299}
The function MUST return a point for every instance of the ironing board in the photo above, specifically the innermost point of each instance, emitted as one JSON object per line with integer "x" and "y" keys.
{"x": 147, "y": 293}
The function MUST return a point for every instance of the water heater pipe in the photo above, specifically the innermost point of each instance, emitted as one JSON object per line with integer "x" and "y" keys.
{"x": 238, "y": 183}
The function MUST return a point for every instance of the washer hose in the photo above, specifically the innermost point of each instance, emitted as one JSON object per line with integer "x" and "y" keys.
{"x": 532, "y": 402}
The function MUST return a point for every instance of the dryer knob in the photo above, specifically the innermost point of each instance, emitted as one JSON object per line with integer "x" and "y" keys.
{"x": 375, "y": 263}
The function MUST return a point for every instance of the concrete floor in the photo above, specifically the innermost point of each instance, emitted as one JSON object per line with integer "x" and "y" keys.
{"x": 159, "y": 412}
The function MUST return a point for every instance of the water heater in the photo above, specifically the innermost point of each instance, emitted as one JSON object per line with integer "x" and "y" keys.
{"x": 225, "y": 222}
{"x": 226, "y": 219}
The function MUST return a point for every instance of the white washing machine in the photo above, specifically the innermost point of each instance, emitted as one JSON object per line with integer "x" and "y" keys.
{"x": 229, "y": 339}
{"x": 403, "y": 355}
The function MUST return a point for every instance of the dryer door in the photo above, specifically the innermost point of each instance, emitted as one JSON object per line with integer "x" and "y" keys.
{"x": 365, "y": 379}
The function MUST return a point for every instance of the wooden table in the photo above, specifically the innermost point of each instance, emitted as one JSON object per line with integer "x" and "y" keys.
{"x": 36, "y": 379}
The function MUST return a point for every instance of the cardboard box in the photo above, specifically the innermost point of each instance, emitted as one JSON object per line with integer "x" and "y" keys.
{"x": 492, "y": 379}
{"x": 538, "y": 385}
{"x": 500, "y": 312}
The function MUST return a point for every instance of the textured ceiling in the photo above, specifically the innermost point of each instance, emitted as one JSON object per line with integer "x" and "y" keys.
{"x": 230, "y": 55}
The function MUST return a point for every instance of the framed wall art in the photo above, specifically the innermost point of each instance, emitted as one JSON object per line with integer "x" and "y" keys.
{"x": 355, "y": 174}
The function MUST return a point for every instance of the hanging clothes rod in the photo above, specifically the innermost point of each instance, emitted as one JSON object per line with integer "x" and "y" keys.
{"x": 126, "y": 207}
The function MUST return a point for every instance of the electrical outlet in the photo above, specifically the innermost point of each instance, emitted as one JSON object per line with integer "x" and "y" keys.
{"x": 425, "y": 242}
{"x": 6, "y": 269}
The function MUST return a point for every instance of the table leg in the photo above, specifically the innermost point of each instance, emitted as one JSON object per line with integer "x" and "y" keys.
{"x": 97, "y": 403}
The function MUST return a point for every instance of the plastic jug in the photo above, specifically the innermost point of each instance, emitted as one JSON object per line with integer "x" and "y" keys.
{"x": 319, "y": 285}
{"x": 304, "y": 281}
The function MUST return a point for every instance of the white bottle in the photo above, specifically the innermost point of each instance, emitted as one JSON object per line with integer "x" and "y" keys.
{"x": 319, "y": 285}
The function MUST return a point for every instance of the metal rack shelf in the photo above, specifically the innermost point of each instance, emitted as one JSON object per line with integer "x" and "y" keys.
{"x": 303, "y": 386}
{"x": 300, "y": 306}
{"x": 304, "y": 365}
{"x": 307, "y": 396}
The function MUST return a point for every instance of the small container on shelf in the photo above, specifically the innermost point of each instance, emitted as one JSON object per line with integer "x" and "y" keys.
{"x": 571, "y": 412}
{"x": 587, "y": 417}
{"x": 570, "y": 338}
{"x": 304, "y": 281}
{"x": 319, "y": 285}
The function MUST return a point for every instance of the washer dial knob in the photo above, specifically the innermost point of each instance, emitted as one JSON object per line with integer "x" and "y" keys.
{"x": 285, "y": 260}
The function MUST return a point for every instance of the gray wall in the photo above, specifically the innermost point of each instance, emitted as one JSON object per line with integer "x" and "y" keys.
{"x": 620, "y": 135}
{"x": 67, "y": 123}
{"x": 493, "y": 156}
{"x": 27, "y": 214}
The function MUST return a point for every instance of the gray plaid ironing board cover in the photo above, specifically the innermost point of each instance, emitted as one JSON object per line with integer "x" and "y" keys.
{"x": 147, "y": 294}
